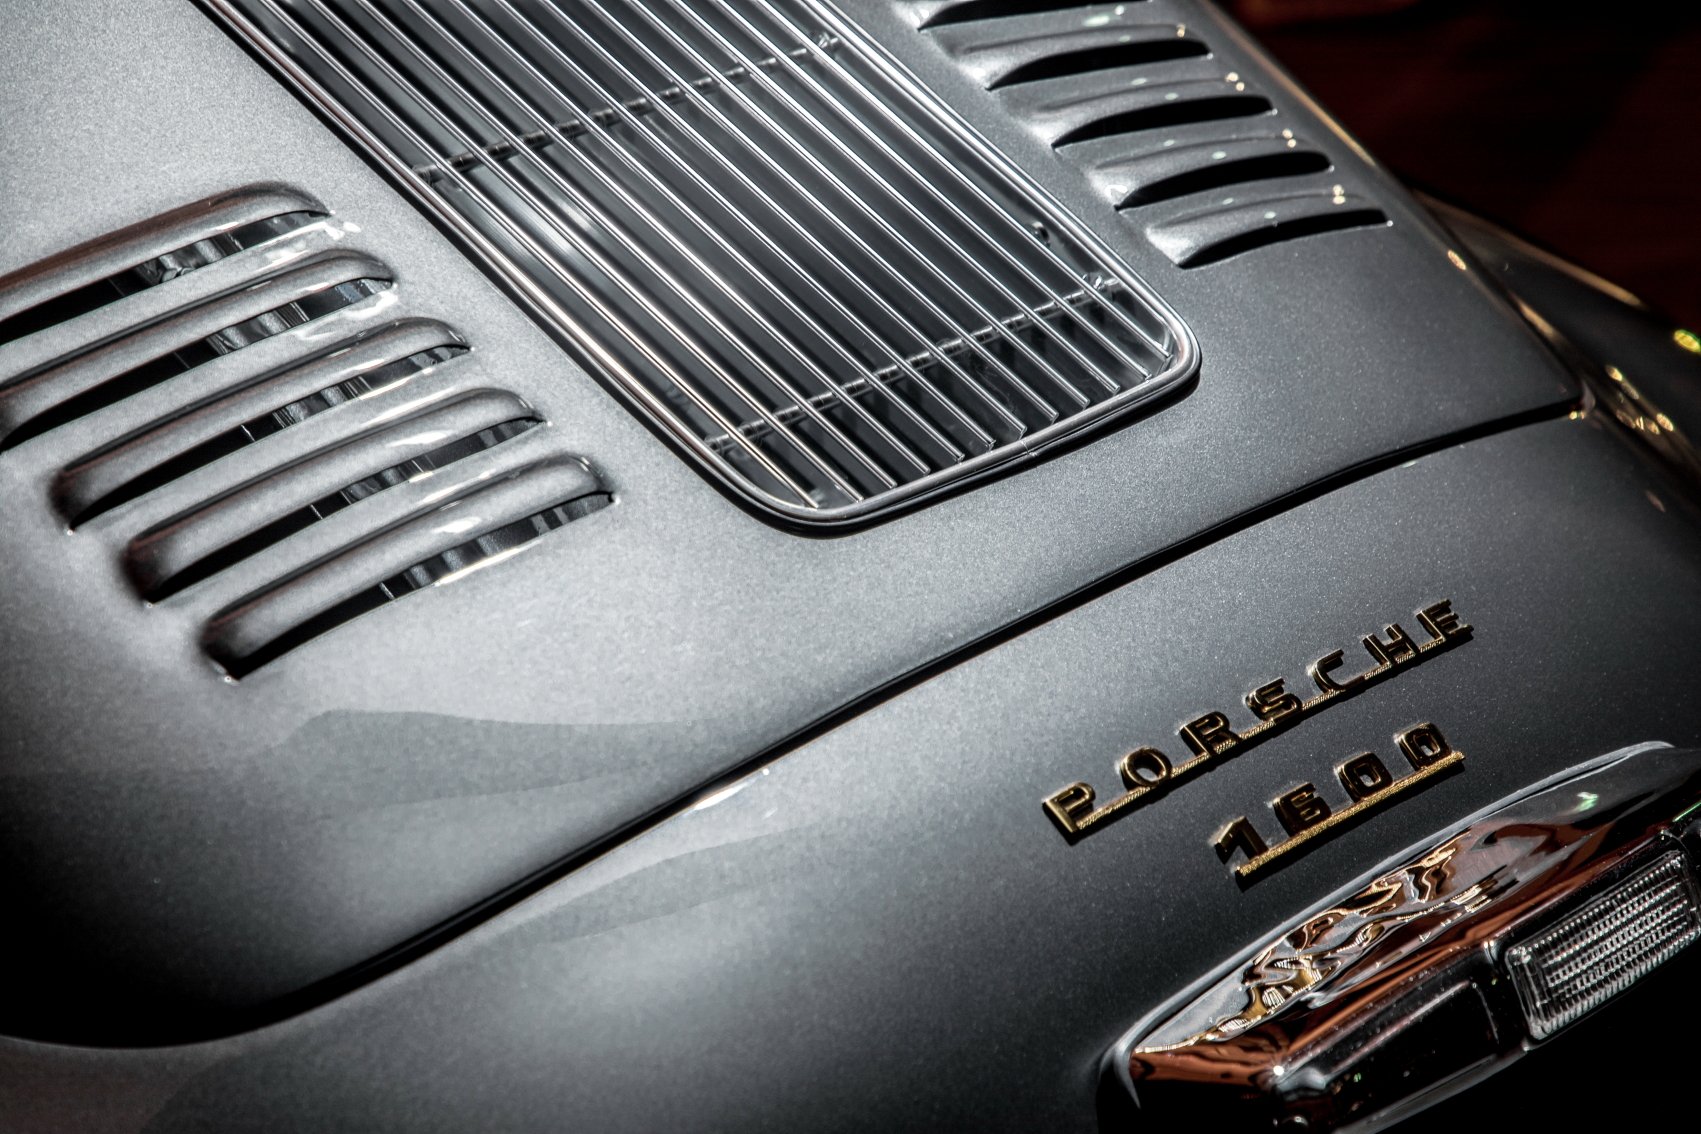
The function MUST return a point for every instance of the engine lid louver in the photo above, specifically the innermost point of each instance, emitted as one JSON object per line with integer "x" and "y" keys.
{"x": 230, "y": 369}
{"x": 1172, "y": 134}
{"x": 754, "y": 223}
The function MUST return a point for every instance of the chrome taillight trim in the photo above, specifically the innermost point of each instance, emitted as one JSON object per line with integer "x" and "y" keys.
{"x": 1416, "y": 980}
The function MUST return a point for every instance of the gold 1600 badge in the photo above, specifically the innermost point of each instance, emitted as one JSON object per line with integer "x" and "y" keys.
{"x": 1303, "y": 813}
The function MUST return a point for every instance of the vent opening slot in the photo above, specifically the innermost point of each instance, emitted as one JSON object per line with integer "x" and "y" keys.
{"x": 970, "y": 11}
{"x": 302, "y": 518}
{"x": 1106, "y": 57}
{"x": 1296, "y": 163}
{"x": 464, "y": 558}
{"x": 1285, "y": 230}
{"x": 264, "y": 425}
{"x": 185, "y": 358}
{"x": 1178, "y": 113}
{"x": 150, "y": 273}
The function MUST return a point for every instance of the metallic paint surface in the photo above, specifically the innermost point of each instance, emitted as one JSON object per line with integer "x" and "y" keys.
{"x": 882, "y": 931}
{"x": 189, "y": 854}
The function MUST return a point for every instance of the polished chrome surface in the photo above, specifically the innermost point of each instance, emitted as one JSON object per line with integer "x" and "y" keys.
{"x": 1183, "y": 142}
{"x": 147, "y": 254}
{"x": 1396, "y": 990}
{"x": 774, "y": 241}
{"x": 1567, "y": 971}
{"x": 437, "y": 481}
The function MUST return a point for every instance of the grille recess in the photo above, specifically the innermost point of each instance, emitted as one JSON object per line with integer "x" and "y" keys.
{"x": 754, "y": 223}
{"x": 1174, "y": 135}
{"x": 265, "y": 439}
{"x": 24, "y": 310}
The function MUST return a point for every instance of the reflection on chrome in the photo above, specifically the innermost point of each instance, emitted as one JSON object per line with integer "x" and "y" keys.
{"x": 1444, "y": 964}
{"x": 1420, "y": 897}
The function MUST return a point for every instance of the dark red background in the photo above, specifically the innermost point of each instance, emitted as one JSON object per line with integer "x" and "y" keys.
{"x": 1577, "y": 125}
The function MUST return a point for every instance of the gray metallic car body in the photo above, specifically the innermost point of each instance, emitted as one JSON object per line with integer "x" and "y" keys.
{"x": 686, "y": 820}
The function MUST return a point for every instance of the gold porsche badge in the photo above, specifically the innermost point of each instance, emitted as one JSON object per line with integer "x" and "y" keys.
{"x": 1147, "y": 773}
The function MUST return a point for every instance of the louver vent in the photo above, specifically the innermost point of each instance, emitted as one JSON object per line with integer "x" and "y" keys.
{"x": 826, "y": 287}
{"x": 271, "y": 423}
{"x": 1175, "y": 137}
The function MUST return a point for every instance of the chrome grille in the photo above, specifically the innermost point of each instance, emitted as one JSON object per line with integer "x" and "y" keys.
{"x": 1602, "y": 949}
{"x": 754, "y": 223}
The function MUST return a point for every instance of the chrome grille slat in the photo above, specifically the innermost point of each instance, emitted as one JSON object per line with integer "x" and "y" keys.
{"x": 887, "y": 374}
{"x": 840, "y": 309}
{"x": 832, "y": 292}
{"x": 552, "y": 212}
{"x": 868, "y": 209}
{"x": 927, "y": 184}
{"x": 544, "y": 255}
{"x": 768, "y": 283}
{"x": 855, "y": 279}
{"x": 832, "y": 469}
{"x": 918, "y": 294}
{"x": 770, "y": 245}
{"x": 573, "y": 127}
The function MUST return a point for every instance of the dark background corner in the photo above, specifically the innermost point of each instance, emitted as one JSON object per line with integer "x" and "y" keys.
{"x": 1577, "y": 125}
